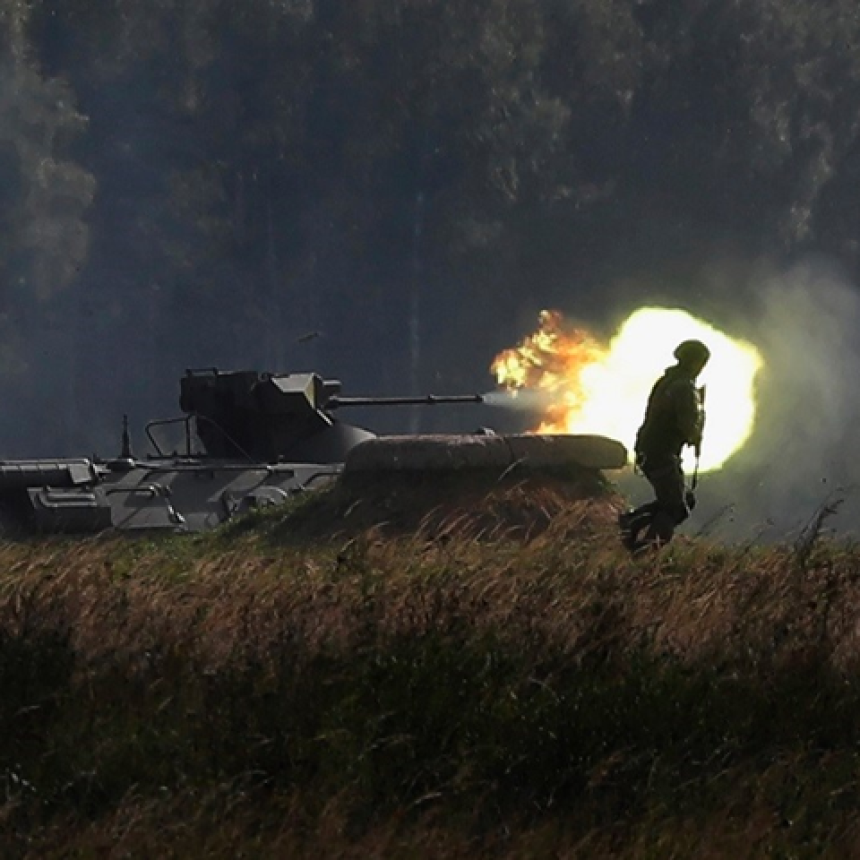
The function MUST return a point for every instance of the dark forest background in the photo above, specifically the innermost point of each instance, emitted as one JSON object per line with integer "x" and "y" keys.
{"x": 389, "y": 190}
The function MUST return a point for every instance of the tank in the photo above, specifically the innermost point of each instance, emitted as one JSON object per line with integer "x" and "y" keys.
{"x": 253, "y": 439}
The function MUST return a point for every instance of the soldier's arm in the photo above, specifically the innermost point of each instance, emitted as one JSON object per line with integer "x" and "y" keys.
{"x": 688, "y": 410}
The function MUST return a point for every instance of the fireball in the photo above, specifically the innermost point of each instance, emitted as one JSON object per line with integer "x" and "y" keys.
{"x": 594, "y": 387}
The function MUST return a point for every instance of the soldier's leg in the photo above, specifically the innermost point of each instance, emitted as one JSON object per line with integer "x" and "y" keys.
{"x": 667, "y": 478}
{"x": 635, "y": 522}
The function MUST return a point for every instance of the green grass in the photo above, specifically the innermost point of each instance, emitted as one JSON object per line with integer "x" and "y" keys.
{"x": 503, "y": 682}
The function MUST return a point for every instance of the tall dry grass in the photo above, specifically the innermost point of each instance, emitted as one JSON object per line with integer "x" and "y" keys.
{"x": 486, "y": 683}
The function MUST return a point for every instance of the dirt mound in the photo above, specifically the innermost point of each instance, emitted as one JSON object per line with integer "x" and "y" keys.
{"x": 481, "y": 506}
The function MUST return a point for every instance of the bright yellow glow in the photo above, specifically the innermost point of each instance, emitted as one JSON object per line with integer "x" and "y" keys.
{"x": 596, "y": 388}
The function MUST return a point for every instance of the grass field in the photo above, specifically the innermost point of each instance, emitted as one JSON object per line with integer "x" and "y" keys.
{"x": 494, "y": 678}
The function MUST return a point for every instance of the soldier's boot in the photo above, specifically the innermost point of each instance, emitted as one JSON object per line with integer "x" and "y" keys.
{"x": 661, "y": 529}
{"x": 632, "y": 522}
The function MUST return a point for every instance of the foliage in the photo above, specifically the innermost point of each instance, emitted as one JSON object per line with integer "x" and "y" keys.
{"x": 444, "y": 694}
{"x": 208, "y": 181}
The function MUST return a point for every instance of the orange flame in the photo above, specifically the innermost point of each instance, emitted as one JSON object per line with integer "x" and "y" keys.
{"x": 552, "y": 360}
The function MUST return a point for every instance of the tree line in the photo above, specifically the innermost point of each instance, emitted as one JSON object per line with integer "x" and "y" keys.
{"x": 387, "y": 190}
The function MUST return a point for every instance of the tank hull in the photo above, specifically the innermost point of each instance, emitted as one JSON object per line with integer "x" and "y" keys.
{"x": 196, "y": 494}
{"x": 177, "y": 495}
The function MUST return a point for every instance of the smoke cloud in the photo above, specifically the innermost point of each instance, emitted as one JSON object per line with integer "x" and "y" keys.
{"x": 523, "y": 400}
{"x": 803, "y": 451}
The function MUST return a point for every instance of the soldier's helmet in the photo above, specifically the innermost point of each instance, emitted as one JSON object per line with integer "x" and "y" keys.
{"x": 692, "y": 353}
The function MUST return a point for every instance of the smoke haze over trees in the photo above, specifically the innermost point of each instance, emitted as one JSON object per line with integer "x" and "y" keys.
{"x": 207, "y": 182}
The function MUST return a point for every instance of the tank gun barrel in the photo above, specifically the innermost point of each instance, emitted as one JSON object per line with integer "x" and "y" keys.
{"x": 423, "y": 400}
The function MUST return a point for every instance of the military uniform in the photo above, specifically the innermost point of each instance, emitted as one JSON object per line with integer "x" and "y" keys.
{"x": 674, "y": 418}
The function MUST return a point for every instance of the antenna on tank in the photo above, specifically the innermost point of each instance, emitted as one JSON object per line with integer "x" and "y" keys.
{"x": 125, "y": 453}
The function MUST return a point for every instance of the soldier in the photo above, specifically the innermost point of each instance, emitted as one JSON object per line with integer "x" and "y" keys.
{"x": 674, "y": 418}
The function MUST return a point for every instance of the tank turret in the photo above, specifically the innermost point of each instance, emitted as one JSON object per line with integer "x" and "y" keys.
{"x": 280, "y": 417}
